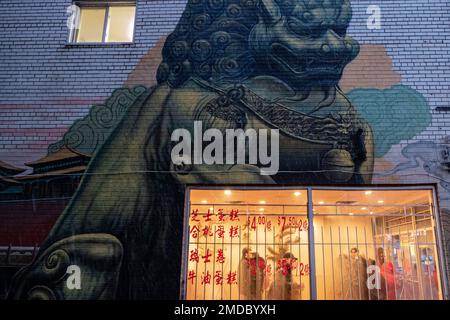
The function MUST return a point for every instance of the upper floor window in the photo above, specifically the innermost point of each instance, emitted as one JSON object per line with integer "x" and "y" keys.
{"x": 102, "y": 22}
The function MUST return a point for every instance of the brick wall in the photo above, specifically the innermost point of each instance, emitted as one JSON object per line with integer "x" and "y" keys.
{"x": 46, "y": 83}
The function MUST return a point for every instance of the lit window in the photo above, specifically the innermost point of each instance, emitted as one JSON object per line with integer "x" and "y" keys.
{"x": 242, "y": 250}
{"x": 104, "y": 22}
{"x": 388, "y": 253}
{"x": 358, "y": 248}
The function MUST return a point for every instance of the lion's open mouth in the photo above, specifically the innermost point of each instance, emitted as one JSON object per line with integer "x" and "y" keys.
{"x": 305, "y": 65}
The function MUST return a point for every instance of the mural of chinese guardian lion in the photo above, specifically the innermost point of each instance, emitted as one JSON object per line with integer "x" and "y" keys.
{"x": 268, "y": 64}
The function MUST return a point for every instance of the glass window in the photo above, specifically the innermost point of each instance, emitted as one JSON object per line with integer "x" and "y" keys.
{"x": 247, "y": 244}
{"x": 120, "y": 25}
{"x": 104, "y": 22}
{"x": 375, "y": 245}
{"x": 91, "y": 25}
{"x": 252, "y": 244}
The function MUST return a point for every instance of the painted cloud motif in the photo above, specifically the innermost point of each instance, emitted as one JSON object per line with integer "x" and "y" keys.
{"x": 395, "y": 114}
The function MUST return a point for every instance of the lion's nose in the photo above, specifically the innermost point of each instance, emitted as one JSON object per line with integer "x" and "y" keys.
{"x": 333, "y": 44}
{"x": 352, "y": 47}
{"x": 336, "y": 46}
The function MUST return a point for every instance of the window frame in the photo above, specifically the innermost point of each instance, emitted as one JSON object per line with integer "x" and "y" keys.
{"x": 106, "y": 5}
{"x": 443, "y": 281}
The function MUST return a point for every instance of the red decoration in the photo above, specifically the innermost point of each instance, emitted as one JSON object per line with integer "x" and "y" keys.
{"x": 232, "y": 278}
{"x": 194, "y": 255}
{"x": 220, "y": 231}
{"x": 208, "y": 216}
{"x": 234, "y": 232}
{"x": 234, "y": 215}
{"x": 194, "y": 215}
{"x": 207, "y": 231}
{"x": 194, "y": 232}
{"x": 284, "y": 266}
{"x": 261, "y": 264}
{"x": 205, "y": 278}
{"x": 191, "y": 276}
{"x": 218, "y": 278}
{"x": 268, "y": 270}
{"x": 289, "y": 222}
{"x": 220, "y": 257}
{"x": 253, "y": 265}
{"x": 221, "y": 215}
{"x": 206, "y": 257}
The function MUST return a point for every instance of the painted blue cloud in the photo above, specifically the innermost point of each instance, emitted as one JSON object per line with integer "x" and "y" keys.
{"x": 395, "y": 114}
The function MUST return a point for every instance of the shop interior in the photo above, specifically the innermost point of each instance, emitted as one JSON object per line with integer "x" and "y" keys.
{"x": 250, "y": 244}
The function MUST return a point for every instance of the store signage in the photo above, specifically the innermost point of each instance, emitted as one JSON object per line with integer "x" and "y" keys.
{"x": 219, "y": 236}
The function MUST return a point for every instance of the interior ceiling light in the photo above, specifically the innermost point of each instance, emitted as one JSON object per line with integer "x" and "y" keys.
{"x": 227, "y": 192}
{"x": 297, "y": 193}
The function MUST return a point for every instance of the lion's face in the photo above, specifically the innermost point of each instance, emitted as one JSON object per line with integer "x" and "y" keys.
{"x": 304, "y": 42}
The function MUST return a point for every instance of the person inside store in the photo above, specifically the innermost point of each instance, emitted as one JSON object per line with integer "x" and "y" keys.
{"x": 352, "y": 283}
{"x": 283, "y": 286}
{"x": 251, "y": 270}
{"x": 358, "y": 275}
{"x": 257, "y": 268}
{"x": 387, "y": 291}
{"x": 245, "y": 274}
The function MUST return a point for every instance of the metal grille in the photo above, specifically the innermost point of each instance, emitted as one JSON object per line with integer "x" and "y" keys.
{"x": 385, "y": 251}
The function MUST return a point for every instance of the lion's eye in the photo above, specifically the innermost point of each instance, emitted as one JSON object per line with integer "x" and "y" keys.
{"x": 302, "y": 29}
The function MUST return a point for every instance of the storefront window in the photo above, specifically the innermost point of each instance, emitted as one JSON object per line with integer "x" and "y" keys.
{"x": 255, "y": 244}
{"x": 390, "y": 230}
{"x": 248, "y": 244}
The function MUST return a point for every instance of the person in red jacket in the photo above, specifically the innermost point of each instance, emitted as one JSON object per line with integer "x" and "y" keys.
{"x": 387, "y": 277}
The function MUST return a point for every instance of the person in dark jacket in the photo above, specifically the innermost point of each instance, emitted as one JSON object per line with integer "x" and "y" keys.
{"x": 283, "y": 284}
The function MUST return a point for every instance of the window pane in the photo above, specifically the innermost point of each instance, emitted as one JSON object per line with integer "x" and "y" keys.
{"x": 364, "y": 202}
{"x": 91, "y": 25}
{"x": 375, "y": 245}
{"x": 120, "y": 26}
{"x": 248, "y": 244}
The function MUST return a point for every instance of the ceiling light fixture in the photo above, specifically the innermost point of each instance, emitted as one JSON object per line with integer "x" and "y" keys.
{"x": 297, "y": 193}
{"x": 368, "y": 192}
{"x": 227, "y": 192}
